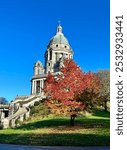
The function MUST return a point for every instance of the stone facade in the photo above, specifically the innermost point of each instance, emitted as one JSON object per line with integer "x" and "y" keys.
{"x": 57, "y": 50}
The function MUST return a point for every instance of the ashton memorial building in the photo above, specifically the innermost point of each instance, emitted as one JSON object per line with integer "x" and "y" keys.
{"x": 57, "y": 50}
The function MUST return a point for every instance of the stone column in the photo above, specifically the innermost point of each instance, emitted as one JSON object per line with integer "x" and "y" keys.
{"x": 53, "y": 60}
{"x": 5, "y": 123}
{"x": 21, "y": 118}
{"x": 27, "y": 115}
{"x": 31, "y": 92}
{"x": 2, "y": 114}
{"x": 43, "y": 86}
{"x": 12, "y": 123}
{"x": 40, "y": 86}
{"x": 48, "y": 54}
{"x": 34, "y": 87}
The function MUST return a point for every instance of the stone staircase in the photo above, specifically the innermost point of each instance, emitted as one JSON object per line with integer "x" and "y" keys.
{"x": 21, "y": 114}
{"x": 20, "y": 110}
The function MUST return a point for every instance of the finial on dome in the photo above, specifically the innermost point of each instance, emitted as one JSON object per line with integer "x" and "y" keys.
{"x": 59, "y": 28}
{"x": 59, "y": 22}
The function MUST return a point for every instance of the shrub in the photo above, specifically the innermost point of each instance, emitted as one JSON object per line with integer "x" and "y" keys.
{"x": 36, "y": 103}
{"x": 39, "y": 110}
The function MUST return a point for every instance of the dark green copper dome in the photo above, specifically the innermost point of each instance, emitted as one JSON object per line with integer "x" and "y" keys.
{"x": 59, "y": 38}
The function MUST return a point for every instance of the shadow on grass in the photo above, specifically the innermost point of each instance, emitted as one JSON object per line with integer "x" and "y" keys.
{"x": 51, "y": 139}
{"x": 94, "y": 132}
{"x": 102, "y": 113}
{"x": 45, "y": 124}
{"x": 56, "y": 123}
{"x": 94, "y": 123}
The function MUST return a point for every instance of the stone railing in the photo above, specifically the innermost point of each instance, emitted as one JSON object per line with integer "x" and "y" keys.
{"x": 19, "y": 115}
{"x": 3, "y": 106}
{"x": 22, "y": 111}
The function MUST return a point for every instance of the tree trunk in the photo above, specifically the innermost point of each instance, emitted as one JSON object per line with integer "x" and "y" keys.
{"x": 72, "y": 123}
{"x": 105, "y": 105}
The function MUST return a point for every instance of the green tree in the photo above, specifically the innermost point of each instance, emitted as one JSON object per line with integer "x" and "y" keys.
{"x": 104, "y": 76}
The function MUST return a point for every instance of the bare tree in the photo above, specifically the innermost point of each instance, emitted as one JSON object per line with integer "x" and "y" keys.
{"x": 3, "y": 100}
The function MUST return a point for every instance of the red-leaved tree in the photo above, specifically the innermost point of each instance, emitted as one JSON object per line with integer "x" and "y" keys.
{"x": 63, "y": 92}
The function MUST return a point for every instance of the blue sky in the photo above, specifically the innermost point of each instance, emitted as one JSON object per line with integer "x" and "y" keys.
{"x": 26, "y": 26}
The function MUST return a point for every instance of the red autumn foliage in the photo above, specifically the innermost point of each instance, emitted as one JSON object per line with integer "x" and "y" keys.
{"x": 62, "y": 90}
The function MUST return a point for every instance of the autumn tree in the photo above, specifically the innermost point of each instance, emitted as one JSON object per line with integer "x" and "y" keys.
{"x": 104, "y": 76}
{"x": 63, "y": 90}
{"x": 90, "y": 95}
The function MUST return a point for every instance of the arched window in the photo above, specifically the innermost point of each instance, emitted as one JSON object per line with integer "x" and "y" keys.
{"x": 38, "y": 65}
{"x": 61, "y": 55}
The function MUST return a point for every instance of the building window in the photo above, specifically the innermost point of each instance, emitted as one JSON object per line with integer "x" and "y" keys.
{"x": 56, "y": 56}
{"x": 38, "y": 71}
{"x": 50, "y": 58}
{"x": 38, "y": 65}
{"x": 38, "y": 87}
{"x": 61, "y": 55}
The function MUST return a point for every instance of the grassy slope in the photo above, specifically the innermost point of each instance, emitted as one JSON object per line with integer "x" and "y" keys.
{"x": 92, "y": 130}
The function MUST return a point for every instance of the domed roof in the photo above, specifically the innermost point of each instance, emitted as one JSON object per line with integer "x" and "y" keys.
{"x": 59, "y": 38}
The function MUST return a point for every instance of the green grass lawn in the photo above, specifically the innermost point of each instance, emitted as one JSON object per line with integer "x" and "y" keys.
{"x": 92, "y": 130}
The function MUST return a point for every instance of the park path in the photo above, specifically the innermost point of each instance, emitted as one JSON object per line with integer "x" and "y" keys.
{"x": 22, "y": 147}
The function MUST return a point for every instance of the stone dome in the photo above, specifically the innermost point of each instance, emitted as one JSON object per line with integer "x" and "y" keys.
{"x": 59, "y": 38}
